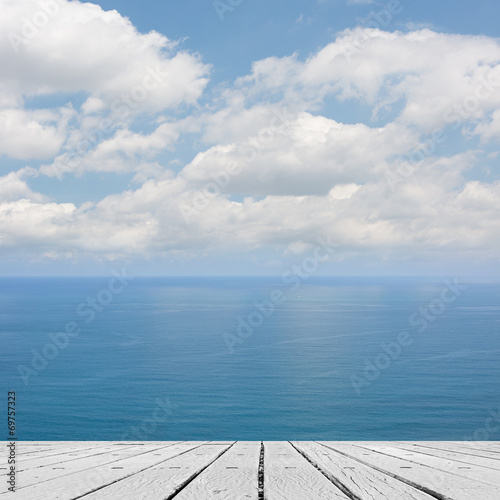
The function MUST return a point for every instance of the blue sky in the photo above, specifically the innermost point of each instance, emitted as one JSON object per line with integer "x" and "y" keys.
{"x": 198, "y": 137}
{"x": 257, "y": 29}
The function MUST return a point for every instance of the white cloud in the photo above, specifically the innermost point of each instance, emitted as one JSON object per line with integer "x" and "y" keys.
{"x": 125, "y": 151}
{"x": 114, "y": 62}
{"x": 71, "y": 48}
{"x": 282, "y": 177}
{"x": 422, "y": 219}
{"x": 489, "y": 130}
{"x": 344, "y": 191}
{"x": 14, "y": 188}
{"x": 305, "y": 155}
{"x": 439, "y": 77}
{"x": 37, "y": 134}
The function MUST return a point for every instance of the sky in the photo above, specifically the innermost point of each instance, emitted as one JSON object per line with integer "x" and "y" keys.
{"x": 238, "y": 137}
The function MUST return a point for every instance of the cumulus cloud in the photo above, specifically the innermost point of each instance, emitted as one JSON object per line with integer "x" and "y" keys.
{"x": 489, "y": 129}
{"x": 42, "y": 53}
{"x": 344, "y": 191}
{"x": 37, "y": 134}
{"x": 306, "y": 155}
{"x": 125, "y": 151}
{"x": 440, "y": 78}
{"x": 13, "y": 186}
{"x": 271, "y": 168}
{"x": 422, "y": 218}
{"x": 63, "y": 48}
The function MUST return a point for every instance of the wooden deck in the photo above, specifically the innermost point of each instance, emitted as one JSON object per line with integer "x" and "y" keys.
{"x": 254, "y": 470}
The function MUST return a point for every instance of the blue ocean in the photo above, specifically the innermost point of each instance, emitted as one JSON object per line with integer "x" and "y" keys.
{"x": 251, "y": 358}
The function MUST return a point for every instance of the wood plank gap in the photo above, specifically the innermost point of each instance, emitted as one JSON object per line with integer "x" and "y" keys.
{"x": 72, "y": 459}
{"x": 453, "y": 449}
{"x": 426, "y": 452}
{"x": 424, "y": 489}
{"x": 135, "y": 473}
{"x": 341, "y": 486}
{"x": 196, "y": 474}
{"x": 414, "y": 457}
{"x": 261, "y": 494}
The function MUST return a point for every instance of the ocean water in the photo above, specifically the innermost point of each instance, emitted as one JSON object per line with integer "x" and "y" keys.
{"x": 251, "y": 358}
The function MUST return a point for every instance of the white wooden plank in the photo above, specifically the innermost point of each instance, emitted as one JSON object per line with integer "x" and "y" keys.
{"x": 488, "y": 476}
{"x": 289, "y": 476}
{"x": 31, "y": 450}
{"x": 225, "y": 470}
{"x": 59, "y": 448}
{"x": 64, "y": 468}
{"x": 421, "y": 476}
{"x": 83, "y": 482}
{"x": 233, "y": 476}
{"x": 457, "y": 456}
{"x": 477, "y": 449}
{"x": 90, "y": 447}
{"x": 164, "y": 479}
{"x": 35, "y": 461}
{"x": 493, "y": 446}
{"x": 361, "y": 480}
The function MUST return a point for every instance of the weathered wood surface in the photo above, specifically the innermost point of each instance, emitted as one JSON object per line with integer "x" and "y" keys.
{"x": 288, "y": 476}
{"x": 275, "y": 470}
{"x": 233, "y": 476}
{"x": 438, "y": 481}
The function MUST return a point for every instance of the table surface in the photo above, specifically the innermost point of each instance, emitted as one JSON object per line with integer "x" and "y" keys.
{"x": 288, "y": 470}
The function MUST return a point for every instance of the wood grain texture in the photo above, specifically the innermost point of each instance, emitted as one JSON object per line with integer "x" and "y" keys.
{"x": 452, "y": 455}
{"x": 275, "y": 470}
{"x": 488, "y": 475}
{"x": 359, "y": 479}
{"x": 434, "y": 480}
{"x": 164, "y": 479}
{"x": 88, "y": 477}
{"x": 66, "y": 468}
{"x": 289, "y": 476}
{"x": 477, "y": 449}
{"x": 29, "y": 462}
{"x": 234, "y": 476}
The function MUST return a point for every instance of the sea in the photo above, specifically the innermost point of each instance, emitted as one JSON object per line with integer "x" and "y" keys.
{"x": 251, "y": 358}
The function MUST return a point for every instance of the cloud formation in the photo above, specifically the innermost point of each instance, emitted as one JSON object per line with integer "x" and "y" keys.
{"x": 271, "y": 167}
